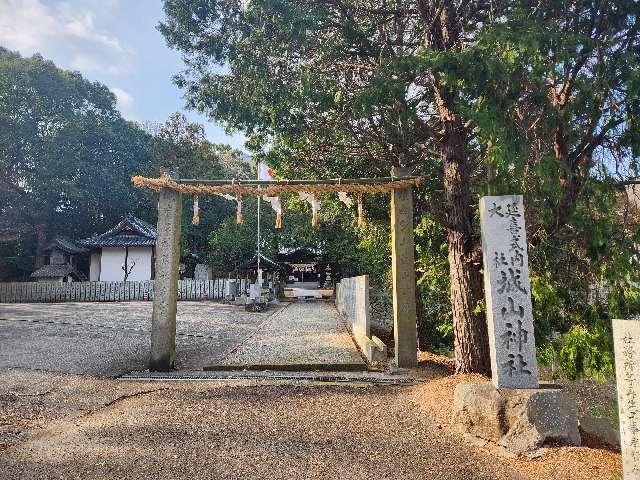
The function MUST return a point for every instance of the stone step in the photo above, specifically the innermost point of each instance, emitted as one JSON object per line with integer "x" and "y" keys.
{"x": 331, "y": 377}
{"x": 292, "y": 367}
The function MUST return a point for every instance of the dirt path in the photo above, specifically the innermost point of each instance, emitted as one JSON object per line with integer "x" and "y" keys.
{"x": 228, "y": 430}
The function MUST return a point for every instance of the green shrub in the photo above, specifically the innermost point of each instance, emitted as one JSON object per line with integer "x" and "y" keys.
{"x": 581, "y": 352}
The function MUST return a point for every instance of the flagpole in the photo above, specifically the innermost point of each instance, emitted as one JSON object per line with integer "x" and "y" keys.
{"x": 258, "y": 232}
{"x": 259, "y": 198}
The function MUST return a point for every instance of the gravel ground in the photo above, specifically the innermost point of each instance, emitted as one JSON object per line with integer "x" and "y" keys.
{"x": 301, "y": 333}
{"x": 55, "y": 424}
{"x": 30, "y": 400}
{"x": 435, "y": 398}
{"x": 90, "y": 428}
{"x": 109, "y": 339}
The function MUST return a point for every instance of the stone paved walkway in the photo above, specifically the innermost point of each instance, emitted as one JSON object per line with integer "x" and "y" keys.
{"x": 301, "y": 333}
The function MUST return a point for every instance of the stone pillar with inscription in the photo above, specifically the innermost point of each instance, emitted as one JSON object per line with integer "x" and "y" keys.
{"x": 626, "y": 345}
{"x": 404, "y": 275}
{"x": 163, "y": 320}
{"x": 508, "y": 292}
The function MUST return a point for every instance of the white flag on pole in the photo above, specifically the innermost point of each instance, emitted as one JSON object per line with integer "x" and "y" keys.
{"x": 344, "y": 198}
{"x": 266, "y": 173}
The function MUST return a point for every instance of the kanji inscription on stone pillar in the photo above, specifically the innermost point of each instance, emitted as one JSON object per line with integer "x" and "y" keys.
{"x": 165, "y": 306}
{"x": 626, "y": 346}
{"x": 403, "y": 274}
{"x": 508, "y": 292}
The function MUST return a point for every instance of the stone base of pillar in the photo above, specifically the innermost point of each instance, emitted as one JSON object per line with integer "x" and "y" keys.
{"x": 520, "y": 420}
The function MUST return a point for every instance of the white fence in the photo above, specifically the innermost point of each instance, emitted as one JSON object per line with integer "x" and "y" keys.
{"x": 45, "y": 292}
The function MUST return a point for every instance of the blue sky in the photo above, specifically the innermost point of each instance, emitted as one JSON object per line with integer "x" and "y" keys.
{"x": 112, "y": 41}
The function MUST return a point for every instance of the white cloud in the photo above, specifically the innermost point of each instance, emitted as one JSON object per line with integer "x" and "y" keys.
{"x": 65, "y": 32}
{"x": 125, "y": 103}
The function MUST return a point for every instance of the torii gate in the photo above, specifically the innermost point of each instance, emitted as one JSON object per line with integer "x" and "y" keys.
{"x": 400, "y": 185}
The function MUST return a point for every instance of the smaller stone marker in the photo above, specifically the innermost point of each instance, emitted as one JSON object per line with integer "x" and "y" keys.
{"x": 202, "y": 272}
{"x": 508, "y": 292}
{"x": 254, "y": 291}
{"x": 626, "y": 347}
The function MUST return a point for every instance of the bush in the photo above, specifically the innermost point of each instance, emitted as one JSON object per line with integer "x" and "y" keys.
{"x": 581, "y": 352}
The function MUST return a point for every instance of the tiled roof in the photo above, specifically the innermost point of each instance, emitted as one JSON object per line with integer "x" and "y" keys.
{"x": 120, "y": 241}
{"x": 55, "y": 271}
{"x": 301, "y": 255}
{"x": 265, "y": 263}
{"x": 66, "y": 246}
{"x": 145, "y": 228}
{"x": 130, "y": 232}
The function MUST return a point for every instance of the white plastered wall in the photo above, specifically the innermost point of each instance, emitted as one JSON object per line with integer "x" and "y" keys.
{"x": 112, "y": 259}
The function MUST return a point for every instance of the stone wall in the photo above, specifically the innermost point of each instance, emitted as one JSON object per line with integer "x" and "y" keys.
{"x": 352, "y": 301}
{"x": 202, "y": 272}
{"x": 381, "y": 303}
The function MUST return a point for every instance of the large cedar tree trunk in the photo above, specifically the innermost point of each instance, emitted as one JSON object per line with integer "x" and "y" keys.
{"x": 471, "y": 342}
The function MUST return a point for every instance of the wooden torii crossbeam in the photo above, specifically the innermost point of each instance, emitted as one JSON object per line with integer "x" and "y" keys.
{"x": 400, "y": 185}
{"x": 276, "y": 187}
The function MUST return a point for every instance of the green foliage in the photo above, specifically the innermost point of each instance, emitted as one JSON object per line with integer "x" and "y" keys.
{"x": 546, "y": 355}
{"x": 432, "y": 271}
{"x": 547, "y": 305}
{"x": 348, "y": 249}
{"x": 374, "y": 251}
{"x": 231, "y": 245}
{"x": 66, "y": 157}
{"x": 582, "y": 352}
{"x": 181, "y": 148}
{"x": 548, "y": 94}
